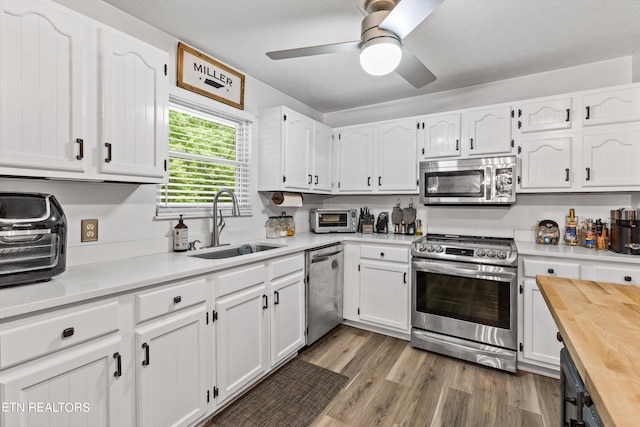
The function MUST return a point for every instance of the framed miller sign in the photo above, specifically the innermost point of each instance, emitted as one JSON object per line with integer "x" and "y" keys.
{"x": 204, "y": 75}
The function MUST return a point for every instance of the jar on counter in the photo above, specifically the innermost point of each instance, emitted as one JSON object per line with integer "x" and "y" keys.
{"x": 275, "y": 227}
{"x": 290, "y": 224}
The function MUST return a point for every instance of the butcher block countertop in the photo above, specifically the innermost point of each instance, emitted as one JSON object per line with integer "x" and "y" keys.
{"x": 600, "y": 326}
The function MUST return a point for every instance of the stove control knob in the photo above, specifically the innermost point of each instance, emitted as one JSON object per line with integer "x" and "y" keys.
{"x": 491, "y": 254}
{"x": 502, "y": 254}
{"x": 429, "y": 248}
{"x": 422, "y": 247}
{"x": 439, "y": 249}
{"x": 480, "y": 252}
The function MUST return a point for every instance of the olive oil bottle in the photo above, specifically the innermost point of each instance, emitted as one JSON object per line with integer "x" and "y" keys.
{"x": 571, "y": 228}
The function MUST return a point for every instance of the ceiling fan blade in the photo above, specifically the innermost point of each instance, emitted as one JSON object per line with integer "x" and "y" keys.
{"x": 407, "y": 15}
{"x": 414, "y": 71}
{"x": 315, "y": 50}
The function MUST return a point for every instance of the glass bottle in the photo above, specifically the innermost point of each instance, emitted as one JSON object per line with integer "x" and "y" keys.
{"x": 571, "y": 228}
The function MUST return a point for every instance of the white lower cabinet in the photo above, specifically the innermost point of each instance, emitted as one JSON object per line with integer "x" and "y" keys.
{"x": 82, "y": 386}
{"x": 171, "y": 369}
{"x": 242, "y": 328}
{"x": 377, "y": 286}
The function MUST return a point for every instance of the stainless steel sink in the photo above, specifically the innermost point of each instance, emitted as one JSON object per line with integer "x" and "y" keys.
{"x": 233, "y": 251}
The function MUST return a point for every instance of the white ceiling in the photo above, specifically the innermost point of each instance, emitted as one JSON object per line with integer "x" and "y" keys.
{"x": 464, "y": 42}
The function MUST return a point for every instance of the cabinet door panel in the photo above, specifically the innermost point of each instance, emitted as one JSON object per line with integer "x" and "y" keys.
{"x": 83, "y": 376}
{"x": 610, "y": 160}
{"x": 540, "y": 343}
{"x": 546, "y": 164}
{"x": 615, "y": 106}
{"x": 322, "y": 157}
{"x": 43, "y": 61}
{"x": 171, "y": 386}
{"x": 355, "y": 151}
{"x": 242, "y": 339}
{"x": 441, "y": 136}
{"x": 489, "y": 131}
{"x": 134, "y": 94}
{"x": 397, "y": 162}
{"x": 297, "y": 143}
{"x": 384, "y": 294}
{"x": 545, "y": 115}
{"x": 287, "y": 317}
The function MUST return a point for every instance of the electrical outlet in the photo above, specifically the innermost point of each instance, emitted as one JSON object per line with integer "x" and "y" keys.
{"x": 89, "y": 231}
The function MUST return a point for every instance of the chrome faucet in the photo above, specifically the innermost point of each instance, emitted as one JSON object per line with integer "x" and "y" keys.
{"x": 218, "y": 225}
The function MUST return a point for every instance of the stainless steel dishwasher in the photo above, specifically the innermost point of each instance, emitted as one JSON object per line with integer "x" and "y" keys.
{"x": 325, "y": 279}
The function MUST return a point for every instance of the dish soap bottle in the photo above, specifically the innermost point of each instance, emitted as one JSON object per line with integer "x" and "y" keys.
{"x": 180, "y": 236}
{"x": 571, "y": 228}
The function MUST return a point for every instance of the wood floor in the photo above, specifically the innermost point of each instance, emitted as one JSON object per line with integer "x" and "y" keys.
{"x": 394, "y": 384}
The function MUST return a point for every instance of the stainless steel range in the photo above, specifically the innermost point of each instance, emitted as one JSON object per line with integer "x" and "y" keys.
{"x": 464, "y": 298}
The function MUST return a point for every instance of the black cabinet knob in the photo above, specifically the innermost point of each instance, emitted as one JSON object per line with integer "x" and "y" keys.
{"x": 68, "y": 332}
{"x": 177, "y": 299}
{"x": 550, "y": 270}
{"x": 627, "y": 278}
{"x": 382, "y": 254}
{"x": 559, "y": 337}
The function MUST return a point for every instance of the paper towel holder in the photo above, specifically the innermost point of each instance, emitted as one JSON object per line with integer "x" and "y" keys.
{"x": 284, "y": 199}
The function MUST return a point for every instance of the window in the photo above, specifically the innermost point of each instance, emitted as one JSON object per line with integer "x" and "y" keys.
{"x": 208, "y": 151}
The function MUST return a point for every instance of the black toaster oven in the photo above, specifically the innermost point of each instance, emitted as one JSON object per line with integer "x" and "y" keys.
{"x": 32, "y": 238}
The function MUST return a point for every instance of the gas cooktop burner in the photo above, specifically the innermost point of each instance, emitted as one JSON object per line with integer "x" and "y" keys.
{"x": 476, "y": 249}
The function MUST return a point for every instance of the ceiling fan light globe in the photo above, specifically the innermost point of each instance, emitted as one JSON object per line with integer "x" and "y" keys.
{"x": 380, "y": 56}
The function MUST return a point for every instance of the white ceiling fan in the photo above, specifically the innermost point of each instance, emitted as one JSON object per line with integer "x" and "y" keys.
{"x": 380, "y": 46}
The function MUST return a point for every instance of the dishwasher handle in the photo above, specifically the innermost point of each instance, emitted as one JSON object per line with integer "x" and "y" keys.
{"x": 324, "y": 257}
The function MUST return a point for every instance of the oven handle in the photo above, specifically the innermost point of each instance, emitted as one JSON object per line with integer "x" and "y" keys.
{"x": 455, "y": 269}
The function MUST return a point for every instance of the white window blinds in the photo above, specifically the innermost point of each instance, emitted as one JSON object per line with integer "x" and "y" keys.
{"x": 208, "y": 151}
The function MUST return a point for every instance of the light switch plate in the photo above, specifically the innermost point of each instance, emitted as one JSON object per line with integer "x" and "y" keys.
{"x": 89, "y": 232}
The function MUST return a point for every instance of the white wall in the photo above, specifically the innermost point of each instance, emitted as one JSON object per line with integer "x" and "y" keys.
{"x": 591, "y": 76}
{"x": 126, "y": 211}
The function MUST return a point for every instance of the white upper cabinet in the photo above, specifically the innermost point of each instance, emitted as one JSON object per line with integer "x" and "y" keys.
{"x": 53, "y": 74}
{"x": 545, "y": 115}
{"x": 488, "y": 131}
{"x": 134, "y": 96}
{"x": 610, "y": 160}
{"x": 397, "y": 162}
{"x": 295, "y": 152}
{"x": 355, "y": 157}
{"x": 546, "y": 164}
{"x": 611, "y": 106}
{"x": 43, "y": 64}
{"x": 439, "y": 136}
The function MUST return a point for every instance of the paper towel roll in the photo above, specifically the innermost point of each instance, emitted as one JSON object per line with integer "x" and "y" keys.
{"x": 280, "y": 198}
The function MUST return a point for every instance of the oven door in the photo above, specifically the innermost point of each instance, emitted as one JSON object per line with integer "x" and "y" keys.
{"x": 470, "y": 301}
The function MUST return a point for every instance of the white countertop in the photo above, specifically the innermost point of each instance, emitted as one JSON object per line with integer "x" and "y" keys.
{"x": 88, "y": 281}
{"x": 576, "y": 252}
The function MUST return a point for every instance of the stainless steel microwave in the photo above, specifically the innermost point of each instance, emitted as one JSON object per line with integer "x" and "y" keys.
{"x": 488, "y": 180}
{"x": 333, "y": 220}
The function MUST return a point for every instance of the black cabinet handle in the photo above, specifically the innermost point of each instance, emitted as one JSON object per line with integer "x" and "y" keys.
{"x": 558, "y": 337}
{"x": 368, "y": 181}
{"x": 550, "y": 270}
{"x": 118, "y": 372}
{"x": 472, "y": 143}
{"x": 382, "y": 254}
{"x": 404, "y": 277}
{"x": 68, "y": 332}
{"x": 310, "y": 178}
{"x": 177, "y": 299}
{"x": 276, "y": 298}
{"x": 588, "y": 113}
{"x": 519, "y": 124}
{"x": 566, "y": 178}
{"x": 379, "y": 181}
{"x": 457, "y": 145}
{"x": 588, "y": 174}
{"x": 627, "y": 278}
{"x": 316, "y": 180}
{"x": 80, "y": 155}
{"x": 146, "y": 360}
{"x": 108, "y": 145}
{"x": 568, "y": 119}
{"x": 265, "y": 302}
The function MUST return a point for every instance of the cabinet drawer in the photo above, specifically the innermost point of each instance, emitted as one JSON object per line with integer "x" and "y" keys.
{"x": 158, "y": 302}
{"x": 283, "y": 266}
{"x": 385, "y": 253}
{"x": 237, "y": 279}
{"x": 50, "y": 332}
{"x": 551, "y": 268}
{"x": 617, "y": 273}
